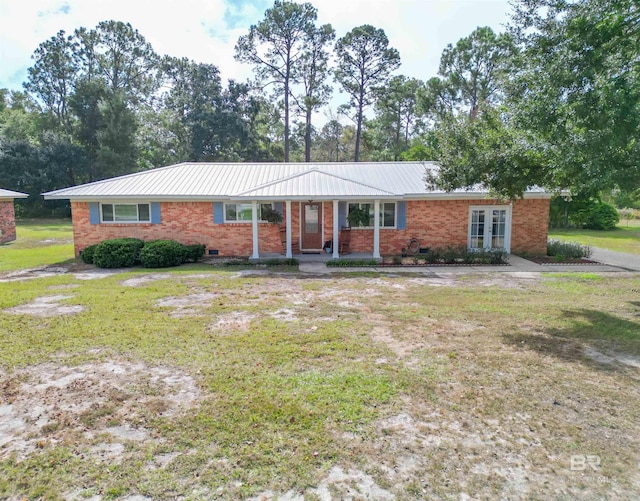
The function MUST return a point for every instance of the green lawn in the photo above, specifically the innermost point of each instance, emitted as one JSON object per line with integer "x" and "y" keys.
{"x": 622, "y": 239}
{"x": 202, "y": 382}
{"x": 39, "y": 242}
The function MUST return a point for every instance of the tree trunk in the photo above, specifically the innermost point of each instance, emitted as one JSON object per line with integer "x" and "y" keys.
{"x": 307, "y": 136}
{"x": 359, "y": 128}
{"x": 286, "y": 117}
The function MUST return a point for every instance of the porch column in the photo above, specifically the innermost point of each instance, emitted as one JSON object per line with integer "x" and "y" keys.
{"x": 336, "y": 230}
{"x": 254, "y": 227}
{"x": 288, "y": 226}
{"x": 376, "y": 229}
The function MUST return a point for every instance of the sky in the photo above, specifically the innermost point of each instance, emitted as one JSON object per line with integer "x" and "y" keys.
{"x": 207, "y": 30}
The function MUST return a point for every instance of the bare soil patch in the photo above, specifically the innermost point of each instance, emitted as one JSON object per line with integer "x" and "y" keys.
{"x": 48, "y": 404}
{"x": 46, "y": 306}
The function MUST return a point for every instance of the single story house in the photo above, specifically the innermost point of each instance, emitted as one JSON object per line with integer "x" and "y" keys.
{"x": 221, "y": 205}
{"x": 8, "y": 215}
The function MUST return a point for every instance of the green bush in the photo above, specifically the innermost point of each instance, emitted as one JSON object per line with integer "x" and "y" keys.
{"x": 567, "y": 250}
{"x": 280, "y": 262}
{"x": 193, "y": 253}
{"x": 87, "y": 253}
{"x": 162, "y": 254}
{"x": 352, "y": 263}
{"x": 596, "y": 216}
{"x": 118, "y": 253}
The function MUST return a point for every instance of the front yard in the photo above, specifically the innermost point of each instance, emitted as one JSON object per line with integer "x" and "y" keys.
{"x": 624, "y": 238}
{"x": 203, "y": 383}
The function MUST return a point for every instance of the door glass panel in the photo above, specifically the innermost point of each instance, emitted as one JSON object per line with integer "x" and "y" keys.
{"x": 498, "y": 226}
{"x": 311, "y": 220}
{"x": 477, "y": 229}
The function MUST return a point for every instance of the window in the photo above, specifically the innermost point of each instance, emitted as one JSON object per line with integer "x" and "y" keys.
{"x": 242, "y": 212}
{"x": 387, "y": 213}
{"x": 125, "y": 213}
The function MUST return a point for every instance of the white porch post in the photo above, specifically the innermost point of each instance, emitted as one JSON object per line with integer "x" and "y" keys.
{"x": 376, "y": 229}
{"x": 288, "y": 226}
{"x": 336, "y": 230}
{"x": 254, "y": 226}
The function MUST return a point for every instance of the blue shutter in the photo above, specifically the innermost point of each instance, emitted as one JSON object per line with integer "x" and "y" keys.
{"x": 94, "y": 213}
{"x": 401, "y": 207}
{"x": 218, "y": 212}
{"x": 342, "y": 214}
{"x": 279, "y": 207}
{"x": 155, "y": 213}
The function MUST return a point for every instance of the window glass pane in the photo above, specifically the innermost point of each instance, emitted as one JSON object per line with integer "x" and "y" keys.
{"x": 143, "y": 212}
{"x": 388, "y": 215}
{"x": 264, "y": 208}
{"x": 230, "y": 212}
{"x": 107, "y": 212}
{"x": 244, "y": 212}
{"x": 126, "y": 212}
{"x": 311, "y": 218}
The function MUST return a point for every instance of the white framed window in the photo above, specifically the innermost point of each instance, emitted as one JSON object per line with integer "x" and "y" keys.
{"x": 241, "y": 212}
{"x": 125, "y": 213}
{"x": 490, "y": 227}
{"x": 387, "y": 213}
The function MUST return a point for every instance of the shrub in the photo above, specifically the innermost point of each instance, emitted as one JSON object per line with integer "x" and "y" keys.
{"x": 596, "y": 216}
{"x": 118, "y": 253}
{"x": 87, "y": 253}
{"x": 162, "y": 254}
{"x": 352, "y": 262}
{"x": 193, "y": 253}
{"x": 567, "y": 250}
{"x": 276, "y": 261}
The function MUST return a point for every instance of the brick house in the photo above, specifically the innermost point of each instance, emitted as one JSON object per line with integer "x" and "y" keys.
{"x": 8, "y": 215}
{"x": 222, "y": 205}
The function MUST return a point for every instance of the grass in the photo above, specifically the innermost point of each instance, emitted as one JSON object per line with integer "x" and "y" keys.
{"x": 38, "y": 243}
{"x": 623, "y": 239}
{"x": 430, "y": 386}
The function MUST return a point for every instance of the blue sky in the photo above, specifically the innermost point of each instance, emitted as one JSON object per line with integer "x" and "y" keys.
{"x": 207, "y": 30}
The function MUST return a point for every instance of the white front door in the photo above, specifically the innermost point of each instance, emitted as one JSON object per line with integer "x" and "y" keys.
{"x": 490, "y": 227}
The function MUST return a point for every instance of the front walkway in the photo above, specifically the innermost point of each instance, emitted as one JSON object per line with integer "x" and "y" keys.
{"x": 516, "y": 265}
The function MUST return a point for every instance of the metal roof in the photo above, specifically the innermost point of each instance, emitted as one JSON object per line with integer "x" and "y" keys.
{"x": 12, "y": 194}
{"x": 237, "y": 181}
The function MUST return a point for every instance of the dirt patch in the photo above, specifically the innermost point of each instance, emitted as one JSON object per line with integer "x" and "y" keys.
{"x": 339, "y": 483}
{"x": 145, "y": 279}
{"x": 612, "y": 358}
{"x": 191, "y": 305}
{"x": 234, "y": 321}
{"x": 50, "y": 403}
{"x": 79, "y": 271}
{"x": 46, "y": 306}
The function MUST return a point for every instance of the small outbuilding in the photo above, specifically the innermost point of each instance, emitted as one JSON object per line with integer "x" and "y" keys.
{"x": 8, "y": 215}
{"x": 228, "y": 207}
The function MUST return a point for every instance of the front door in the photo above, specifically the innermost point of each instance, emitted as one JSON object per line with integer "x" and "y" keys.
{"x": 312, "y": 226}
{"x": 489, "y": 228}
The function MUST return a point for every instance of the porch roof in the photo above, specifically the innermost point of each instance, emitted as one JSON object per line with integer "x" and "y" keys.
{"x": 315, "y": 184}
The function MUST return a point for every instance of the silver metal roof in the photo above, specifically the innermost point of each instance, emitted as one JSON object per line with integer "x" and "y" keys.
{"x": 12, "y": 194}
{"x": 237, "y": 181}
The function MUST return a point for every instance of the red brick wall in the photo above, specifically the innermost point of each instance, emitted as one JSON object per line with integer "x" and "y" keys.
{"x": 438, "y": 223}
{"x": 529, "y": 226}
{"x": 7, "y": 222}
{"x": 185, "y": 222}
{"x": 435, "y": 223}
